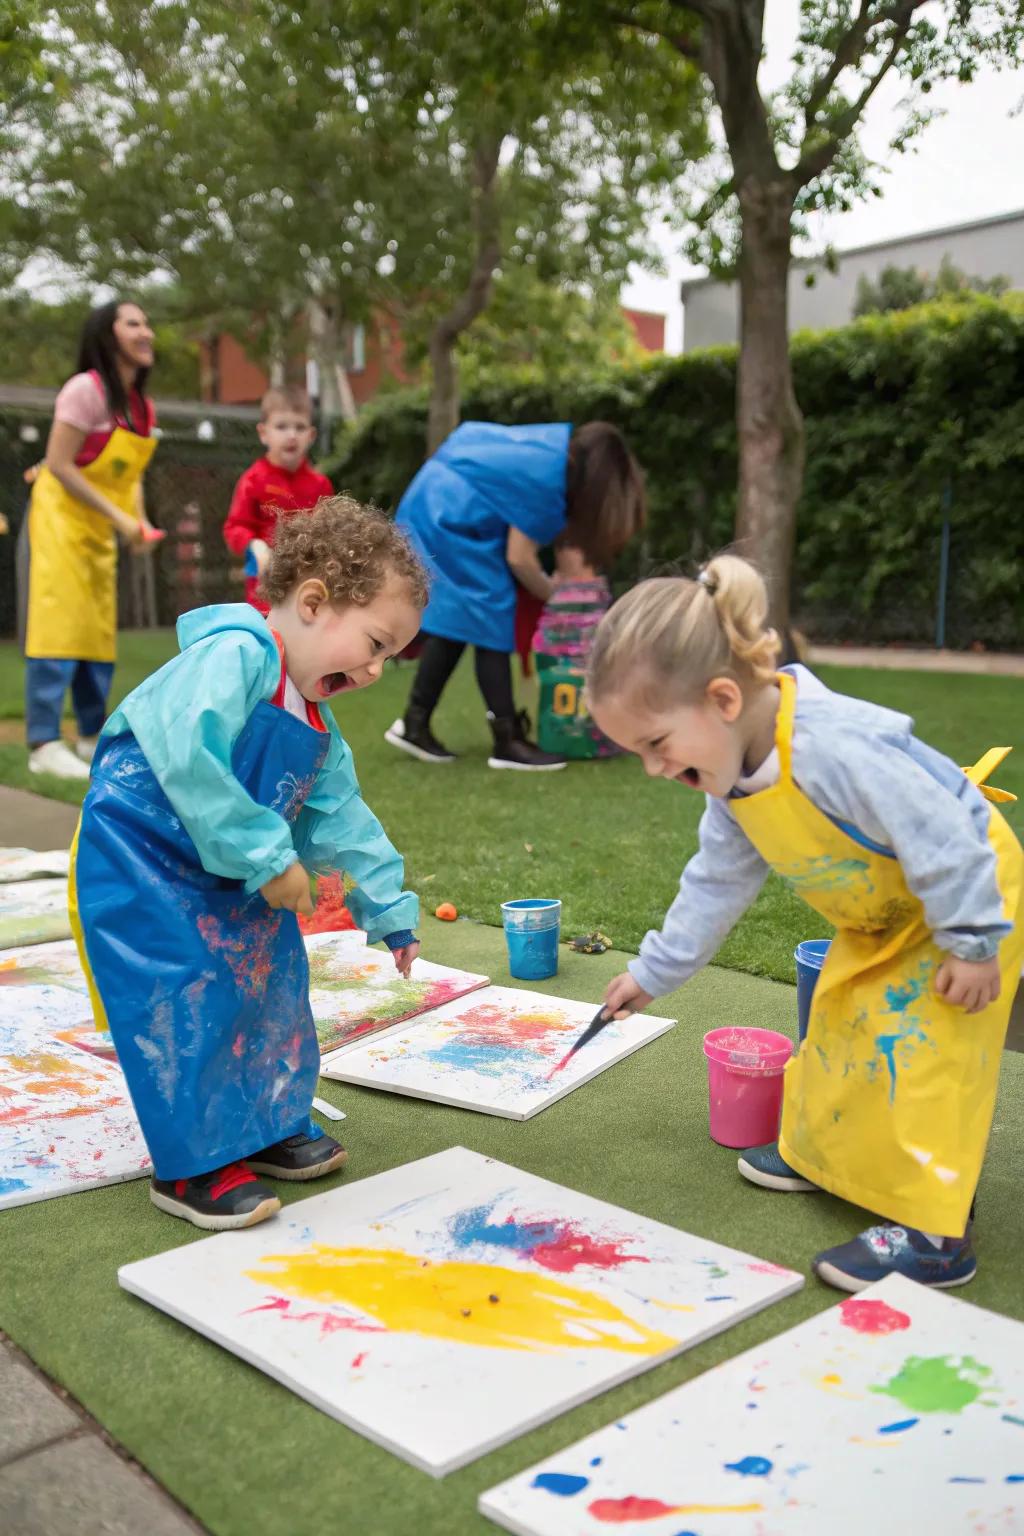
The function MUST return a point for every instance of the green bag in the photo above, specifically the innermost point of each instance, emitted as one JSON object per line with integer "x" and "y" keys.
{"x": 563, "y": 723}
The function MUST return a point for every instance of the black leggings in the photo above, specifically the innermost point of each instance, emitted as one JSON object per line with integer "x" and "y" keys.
{"x": 437, "y": 663}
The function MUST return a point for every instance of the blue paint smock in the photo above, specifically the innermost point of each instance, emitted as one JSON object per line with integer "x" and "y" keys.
{"x": 202, "y": 791}
{"x": 482, "y": 481}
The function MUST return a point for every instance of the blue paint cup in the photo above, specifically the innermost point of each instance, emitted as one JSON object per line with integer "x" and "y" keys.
{"x": 810, "y": 957}
{"x": 531, "y": 933}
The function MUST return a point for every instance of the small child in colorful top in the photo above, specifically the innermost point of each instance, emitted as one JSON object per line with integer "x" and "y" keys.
{"x": 889, "y": 1100}
{"x": 217, "y": 787}
{"x": 568, "y": 623}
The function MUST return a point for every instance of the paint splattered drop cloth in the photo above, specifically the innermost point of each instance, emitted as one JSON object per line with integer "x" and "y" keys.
{"x": 204, "y": 788}
{"x": 889, "y": 1101}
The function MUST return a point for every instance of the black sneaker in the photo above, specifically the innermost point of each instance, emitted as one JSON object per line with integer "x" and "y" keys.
{"x": 413, "y": 735}
{"x": 300, "y": 1157}
{"x": 513, "y": 750}
{"x": 219, "y": 1201}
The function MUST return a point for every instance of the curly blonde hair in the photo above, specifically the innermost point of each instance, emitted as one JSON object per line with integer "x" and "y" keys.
{"x": 351, "y": 548}
{"x": 670, "y": 636}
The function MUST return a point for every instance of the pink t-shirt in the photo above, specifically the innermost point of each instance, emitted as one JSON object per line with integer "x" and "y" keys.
{"x": 82, "y": 403}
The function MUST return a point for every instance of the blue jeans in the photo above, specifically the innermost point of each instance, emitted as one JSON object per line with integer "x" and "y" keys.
{"x": 47, "y": 680}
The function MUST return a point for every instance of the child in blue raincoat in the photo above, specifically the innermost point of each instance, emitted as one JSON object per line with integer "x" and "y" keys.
{"x": 217, "y": 786}
{"x": 479, "y": 512}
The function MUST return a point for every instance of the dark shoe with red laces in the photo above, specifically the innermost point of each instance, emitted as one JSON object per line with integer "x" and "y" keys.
{"x": 300, "y": 1157}
{"x": 219, "y": 1201}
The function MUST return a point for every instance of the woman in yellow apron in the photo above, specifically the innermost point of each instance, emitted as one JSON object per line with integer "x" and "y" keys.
{"x": 88, "y": 494}
{"x": 889, "y": 1100}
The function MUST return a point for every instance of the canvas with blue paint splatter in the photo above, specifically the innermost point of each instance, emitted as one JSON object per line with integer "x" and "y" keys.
{"x": 899, "y": 1410}
{"x": 495, "y": 1052}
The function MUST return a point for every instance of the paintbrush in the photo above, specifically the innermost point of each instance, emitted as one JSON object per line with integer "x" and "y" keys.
{"x": 594, "y": 1028}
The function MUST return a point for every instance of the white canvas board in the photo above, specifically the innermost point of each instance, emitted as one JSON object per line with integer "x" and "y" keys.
{"x": 899, "y": 1410}
{"x": 357, "y": 993}
{"x": 446, "y": 1306}
{"x": 495, "y": 1052}
{"x": 33, "y": 911}
{"x": 66, "y": 1118}
{"x": 27, "y": 864}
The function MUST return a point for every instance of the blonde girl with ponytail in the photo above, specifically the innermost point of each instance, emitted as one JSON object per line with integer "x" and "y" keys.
{"x": 889, "y": 1100}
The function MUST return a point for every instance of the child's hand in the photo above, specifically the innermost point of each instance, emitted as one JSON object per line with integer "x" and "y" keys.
{"x": 260, "y": 550}
{"x": 290, "y": 890}
{"x": 624, "y": 996}
{"x": 405, "y": 956}
{"x": 968, "y": 984}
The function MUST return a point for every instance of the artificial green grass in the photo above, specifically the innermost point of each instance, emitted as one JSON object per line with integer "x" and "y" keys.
{"x": 250, "y": 1459}
{"x": 603, "y": 837}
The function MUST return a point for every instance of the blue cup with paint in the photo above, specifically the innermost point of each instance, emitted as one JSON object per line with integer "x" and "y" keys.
{"x": 532, "y": 930}
{"x": 810, "y": 957}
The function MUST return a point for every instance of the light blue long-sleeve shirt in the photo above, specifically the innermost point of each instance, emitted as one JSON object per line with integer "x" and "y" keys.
{"x": 186, "y": 718}
{"x": 862, "y": 766}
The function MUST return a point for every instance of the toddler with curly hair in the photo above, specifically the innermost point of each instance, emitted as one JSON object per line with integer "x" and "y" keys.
{"x": 217, "y": 787}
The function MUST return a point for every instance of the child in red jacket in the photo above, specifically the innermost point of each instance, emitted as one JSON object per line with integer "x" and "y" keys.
{"x": 282, "y": 482}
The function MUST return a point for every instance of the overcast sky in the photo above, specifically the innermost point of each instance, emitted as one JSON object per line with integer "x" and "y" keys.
{"x": 968, "y": 165}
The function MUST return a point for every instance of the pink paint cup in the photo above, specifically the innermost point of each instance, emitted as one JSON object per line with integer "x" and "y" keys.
{"x": 745, "y": 1068}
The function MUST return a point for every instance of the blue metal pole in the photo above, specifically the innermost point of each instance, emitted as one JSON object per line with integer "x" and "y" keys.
{"x": 940, "y": 617}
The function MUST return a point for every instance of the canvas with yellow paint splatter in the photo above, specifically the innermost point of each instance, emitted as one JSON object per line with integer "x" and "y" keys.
{"x": 66, "y": 1119}
{"x": 497, "y": 1052}
{"x": 446, "y": 1306}
{"x": 899, "y": 1410}
{"x": 356, "y": 993}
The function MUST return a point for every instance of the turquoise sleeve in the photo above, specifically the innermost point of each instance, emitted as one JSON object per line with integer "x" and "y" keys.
{"x": 186, "y": 718}
{"x": 337, "y": 830}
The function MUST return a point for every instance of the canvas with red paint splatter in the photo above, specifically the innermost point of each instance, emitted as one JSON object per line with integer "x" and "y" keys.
{"x": 899, "y": 1410}
{"x": 497, "y": 1052}
{"x": 356, "y": 992}
{"x": 443, "y": 1307}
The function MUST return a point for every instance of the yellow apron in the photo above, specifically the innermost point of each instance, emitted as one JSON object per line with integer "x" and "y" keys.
{"x": 72, "y": 581}
{"x": 888, "y": 1103}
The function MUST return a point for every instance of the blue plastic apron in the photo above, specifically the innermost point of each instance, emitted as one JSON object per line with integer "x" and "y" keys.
{"x": 482, "y": 481}
{"x": 209, "y": 1006}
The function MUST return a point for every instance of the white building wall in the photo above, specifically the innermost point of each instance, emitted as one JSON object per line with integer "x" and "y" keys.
{"x": 990, "y": 248}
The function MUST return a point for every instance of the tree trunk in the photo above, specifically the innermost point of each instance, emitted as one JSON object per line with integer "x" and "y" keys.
{"x": 443, "y": 412}
{"x": 769, "y": 424}
{"x": 335, "y": 392}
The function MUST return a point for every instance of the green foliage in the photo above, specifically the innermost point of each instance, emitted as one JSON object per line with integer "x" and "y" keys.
{"x": 39, "y": 344}
{"x": 905, "y": 287}
{"x": 899, "y": 408}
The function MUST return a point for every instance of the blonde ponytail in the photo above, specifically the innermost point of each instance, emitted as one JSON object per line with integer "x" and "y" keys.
{"x": 672, "y": 636}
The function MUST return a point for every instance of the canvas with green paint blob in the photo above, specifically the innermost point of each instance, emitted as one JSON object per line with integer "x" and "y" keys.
{"x": 357, "y": 993}
{"x": 443, "y": 1307}
{"x": 33, "y": 912}
{"x": 899, "y": 1410}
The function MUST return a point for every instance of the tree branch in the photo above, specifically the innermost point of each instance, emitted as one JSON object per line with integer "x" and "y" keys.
{"x": 687, "y": 46}
{"x": 814, "y": 161}
{"x": 487, "y": 254}
{"x": 850, "y": 48}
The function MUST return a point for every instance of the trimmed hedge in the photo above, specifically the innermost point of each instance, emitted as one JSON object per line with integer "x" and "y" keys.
{"x": 908, "y": 415}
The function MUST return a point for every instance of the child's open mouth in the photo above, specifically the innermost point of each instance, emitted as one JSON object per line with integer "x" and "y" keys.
{"x": 689, "y": 776}
{"x": 334, "y": 682}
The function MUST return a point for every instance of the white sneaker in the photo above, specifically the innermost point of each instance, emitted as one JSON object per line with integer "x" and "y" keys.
{"x": 57, "y": 758}
{"x": 85, "y": 748}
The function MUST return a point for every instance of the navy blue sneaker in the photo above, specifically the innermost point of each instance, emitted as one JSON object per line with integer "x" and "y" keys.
{"x": 766, "y": 1166}
{"x": 300, "y": 1157}
{"x": 892, "y": 1250}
